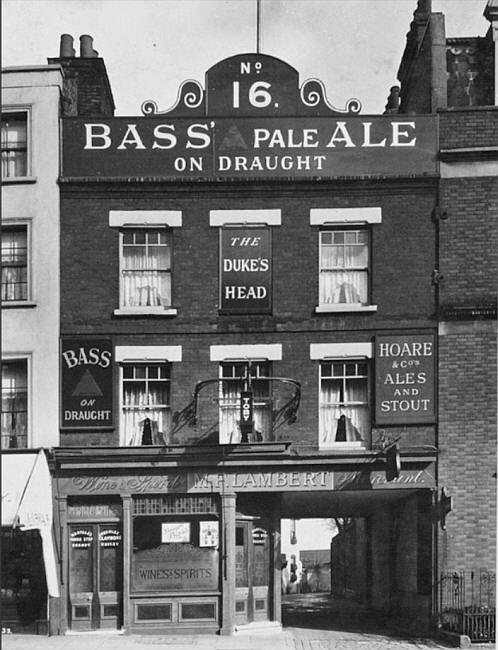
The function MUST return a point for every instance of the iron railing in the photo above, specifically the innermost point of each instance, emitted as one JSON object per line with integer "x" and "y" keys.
{"x": 467, "y": 604}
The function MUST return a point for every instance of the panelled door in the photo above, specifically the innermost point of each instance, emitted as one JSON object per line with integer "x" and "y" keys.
{"x": 95, "y": 576}
{"x": 252, "y": 572}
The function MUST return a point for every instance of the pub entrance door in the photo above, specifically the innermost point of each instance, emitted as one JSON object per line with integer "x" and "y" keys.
{"x": 252, "y": 569}
{"x": 95, "y": 576}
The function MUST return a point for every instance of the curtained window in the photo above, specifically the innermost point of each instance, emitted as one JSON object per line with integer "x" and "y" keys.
{"x": 14, "y": 263}
{"x": 344, "y": 403}
{"x": 344, "y": 259}
{"x": 14, "y": 403}
{"x": 146, "y": 414}
{"x": 146, "y": 268}
{"x": 236, "y": 379}
{"x": 15, "y": 144}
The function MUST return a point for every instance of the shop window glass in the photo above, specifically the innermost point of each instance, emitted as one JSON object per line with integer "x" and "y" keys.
{"x": 14, "y": 403}
{"x": 344, "y": 262}
{"x": 145, "y": 268}
{"x": 238, "y": 377}
{"x": 15, "y": 144}
{"x": 146, "y": 411}
{"x": 344, "y": 403}
{"x": 14, "y": 263}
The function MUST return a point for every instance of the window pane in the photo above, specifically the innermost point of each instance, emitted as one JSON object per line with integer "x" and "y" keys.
{"x": 14, "y": 145}
{"x": 338, "y": 237}
{"x": 14, "y": 263}
{"x": 14, "y": 404}
{"x": 327, "y": 237}
{"x": 139, "y": 236}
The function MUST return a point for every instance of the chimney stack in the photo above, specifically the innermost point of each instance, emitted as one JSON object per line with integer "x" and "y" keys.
{"x": 86, "y": 47}
{"x": 67, "y": 49}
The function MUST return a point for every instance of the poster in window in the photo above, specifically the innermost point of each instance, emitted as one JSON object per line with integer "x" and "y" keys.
{"x": 405, "y": 379}
{"x": 208, "y": 533}
{"x": 245, "y": 270}
{"x": 86, "y": 383}
{"x": 178, "y": 532}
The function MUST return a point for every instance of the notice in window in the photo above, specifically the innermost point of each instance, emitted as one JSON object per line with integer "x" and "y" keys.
{"x": 405, "y": 379}
{"x": 245, "y": 270}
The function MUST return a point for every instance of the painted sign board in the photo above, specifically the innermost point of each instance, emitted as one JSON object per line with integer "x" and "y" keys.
{"x": 175, "y": 567}
{"x": 248, "y": 147}
{"x": 86, "y": 384}
{"x": 245, "y": 270}
{"x": 285, "y": 480}
{"x": 405, "y": 379}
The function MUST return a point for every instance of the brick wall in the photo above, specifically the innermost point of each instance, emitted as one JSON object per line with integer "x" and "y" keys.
{"x": 467, "y": 442}
{"x": 403, "y": 259}
{"x": 473, "y": 127}
{"x": 468, "y": 241}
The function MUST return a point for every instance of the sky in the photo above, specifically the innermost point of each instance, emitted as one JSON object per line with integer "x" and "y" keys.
{"x": 150, "y": 46}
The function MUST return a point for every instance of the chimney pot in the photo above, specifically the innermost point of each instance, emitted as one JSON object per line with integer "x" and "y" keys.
{"x": 66, "y": 47}
{"x": 86, "y": 47}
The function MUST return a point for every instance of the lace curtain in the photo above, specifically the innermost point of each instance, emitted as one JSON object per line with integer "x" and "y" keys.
{"x": 146, "y": 276}
{"x": 343, "y": 420}
{"x": 343, "y": 276}
{"x": 14, "y": 404}
{"x": 141, "y": 404}
{"x": 230, "y": 410}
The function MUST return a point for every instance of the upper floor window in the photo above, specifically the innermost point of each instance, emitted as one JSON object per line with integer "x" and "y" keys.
{"x": 15, "y": 263}
{"x": 241, "y": 376}
{"x": 145, "y": 269}
{"x": 344, "y": 262}
{"x": 14, "y": 403}
{"x": 146, "y": 414}
{"x": 15, "y": 144}
{"x": 344, "y": 403}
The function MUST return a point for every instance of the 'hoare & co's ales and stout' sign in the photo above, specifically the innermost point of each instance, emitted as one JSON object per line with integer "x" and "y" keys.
{"x": 405, "y": 379}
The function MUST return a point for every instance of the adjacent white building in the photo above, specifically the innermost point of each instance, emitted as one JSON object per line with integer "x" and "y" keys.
{"x": 31, "y": 100}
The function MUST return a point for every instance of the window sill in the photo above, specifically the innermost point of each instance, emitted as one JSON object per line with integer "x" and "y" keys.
{"x": 327, "y": 309}
{"x": 18, "y": 304}
{"x": 341, "y": 446}
{"x": 17, "y": 180}
{"x": 145, "y": 311}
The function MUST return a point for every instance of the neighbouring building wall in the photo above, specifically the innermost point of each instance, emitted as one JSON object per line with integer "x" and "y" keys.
{"x": 467, "y": 336}
{"x": 30, "y": 328}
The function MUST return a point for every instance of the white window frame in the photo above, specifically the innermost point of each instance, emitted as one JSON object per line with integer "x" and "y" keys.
{"x": 336, "y": 219}
{"x": 28, "y": 177}
{"x": 149, "y": 220}
{"x": 147, "y": 355}
{"x": 343, "y": 353}
{"x": 28, "y": 359}
{"x": 20, "y": 223}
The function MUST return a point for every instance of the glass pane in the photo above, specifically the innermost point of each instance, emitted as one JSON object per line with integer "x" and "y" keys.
{"x": 140, "y": 372}
{"x": 356, "y": 390}
{"x": 81, "y": 559}
{"x": 363, "y": 237}
{"x": 127, "y": 237}
{"x": 152, "y": 237}
{"x": 327, "y": 237}
{"x": 339, "y": 237}
{"x": 350, "y": 237}
{"x": 338, "y": 369}
{"x": 111, "y": 570}
{"x": 139, "y": 236}
{"x": 326, "y": 369}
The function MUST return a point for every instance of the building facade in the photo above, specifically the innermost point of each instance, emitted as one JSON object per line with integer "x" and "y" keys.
{"x": 30, "y": 327}
{"x": 267, "y": 304}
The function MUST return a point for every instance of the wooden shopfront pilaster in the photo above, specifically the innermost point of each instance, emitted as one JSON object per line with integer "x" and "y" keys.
{"x": 228, "y": 502}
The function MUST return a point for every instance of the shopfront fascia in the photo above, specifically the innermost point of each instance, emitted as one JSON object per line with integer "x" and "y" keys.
{"x": 154, "y": 541}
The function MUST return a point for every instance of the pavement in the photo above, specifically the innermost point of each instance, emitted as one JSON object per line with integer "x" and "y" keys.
{"x": 310, "y": 622}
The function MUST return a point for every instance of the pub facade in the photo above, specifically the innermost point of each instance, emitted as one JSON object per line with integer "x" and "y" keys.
{"x": 247, "y": 334}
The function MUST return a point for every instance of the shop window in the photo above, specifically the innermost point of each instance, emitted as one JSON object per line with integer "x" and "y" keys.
{"x": 14, "y": 403}
{"x": 15, "y": 161}
{"x": 245, "y": 376}
{"x": 15, "y": 286}
{"x": 145, "y": 269}
{"x": 344, "y": 268}
{"x": 344, "y": 403}
{"x": 146, "y": 414}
